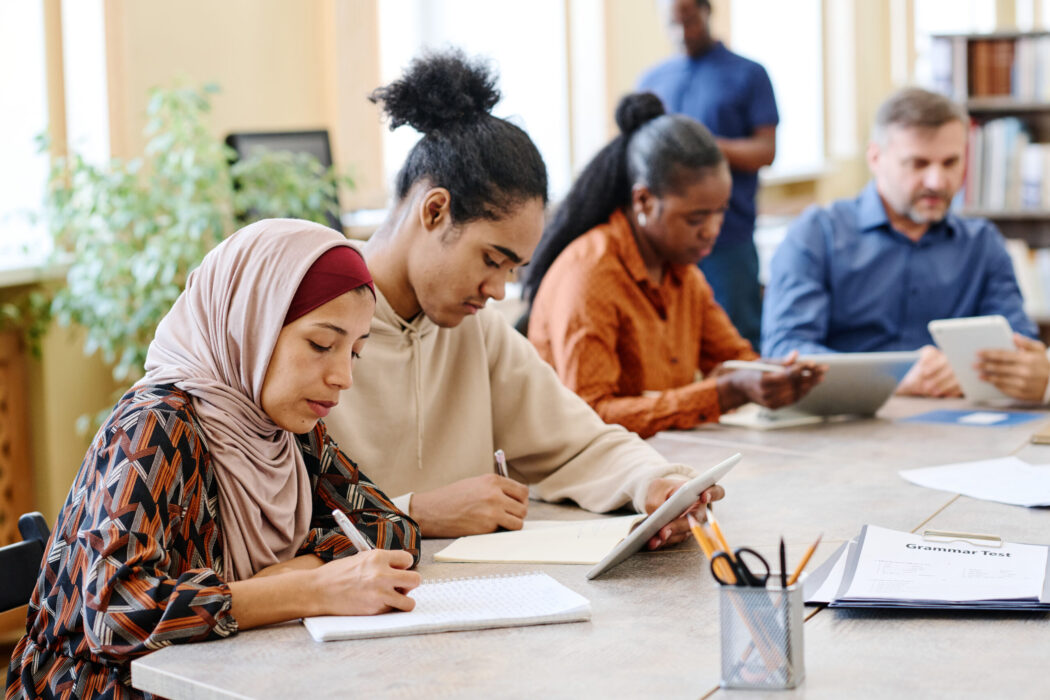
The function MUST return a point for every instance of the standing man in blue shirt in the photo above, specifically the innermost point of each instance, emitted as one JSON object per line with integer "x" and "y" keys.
{"x": 868, "y": 274}
{"x": 733, "y": 98}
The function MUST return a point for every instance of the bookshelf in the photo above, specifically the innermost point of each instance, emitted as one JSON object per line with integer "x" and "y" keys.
{"x": 1003, "y": 79}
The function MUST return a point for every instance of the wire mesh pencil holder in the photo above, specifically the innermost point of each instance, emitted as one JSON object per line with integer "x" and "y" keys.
{"x": 761, "y": 637}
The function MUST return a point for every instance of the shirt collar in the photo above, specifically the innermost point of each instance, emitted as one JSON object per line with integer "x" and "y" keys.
{"x": 871, "y": 214}
{"x": 716, "y": 48}
{"x": 621, "y": 233}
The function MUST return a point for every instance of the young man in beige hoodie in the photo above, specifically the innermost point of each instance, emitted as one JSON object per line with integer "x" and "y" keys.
{"x": 444, "y": 382}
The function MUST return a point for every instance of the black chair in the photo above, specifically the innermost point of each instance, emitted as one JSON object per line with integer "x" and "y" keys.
{"x": 314, "y": 142}
{"x": 20, "y": 562}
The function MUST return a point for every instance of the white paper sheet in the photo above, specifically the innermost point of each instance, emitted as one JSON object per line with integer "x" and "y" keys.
{"x": 903, "y": 566}
{"x": 1006, "y": 480}
{"x": 830, "y": 586}
{"x": 548, "y": 542}
{"x": 983, "y": 418}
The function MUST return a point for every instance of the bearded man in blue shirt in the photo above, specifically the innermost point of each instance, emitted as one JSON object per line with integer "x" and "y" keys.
{"x": 731, "y": 96}
{"x": 867, "y": 274}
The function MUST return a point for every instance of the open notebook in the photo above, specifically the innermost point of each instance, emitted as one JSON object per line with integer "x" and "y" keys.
{"x": 464, "y": 604}
{"x": 544, "y": 542}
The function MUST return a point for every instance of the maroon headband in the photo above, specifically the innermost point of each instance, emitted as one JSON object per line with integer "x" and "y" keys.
{"x": 337, "y": 271}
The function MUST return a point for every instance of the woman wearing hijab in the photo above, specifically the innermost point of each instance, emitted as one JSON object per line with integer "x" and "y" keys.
{"x": 204, "y": 503}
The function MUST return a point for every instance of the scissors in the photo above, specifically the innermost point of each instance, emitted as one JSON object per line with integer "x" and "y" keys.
{"x": 743, "y": 568}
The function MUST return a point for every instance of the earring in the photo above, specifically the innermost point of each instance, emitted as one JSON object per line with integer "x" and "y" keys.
{"x": 641, "y": 219}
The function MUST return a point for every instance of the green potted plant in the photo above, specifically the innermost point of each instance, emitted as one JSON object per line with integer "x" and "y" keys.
{"x": 131, "y": 231}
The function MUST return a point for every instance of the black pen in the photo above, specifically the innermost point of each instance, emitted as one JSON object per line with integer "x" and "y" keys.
{"x": 783, "y": 565}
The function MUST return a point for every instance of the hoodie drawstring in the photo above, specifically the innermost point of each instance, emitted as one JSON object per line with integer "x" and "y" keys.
{"x": 417, "y": 367}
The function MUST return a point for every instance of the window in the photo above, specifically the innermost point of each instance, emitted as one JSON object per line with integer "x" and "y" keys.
{"x": 84, "y": 66}
{"x": 23, "y": 105}
{"x": 797, "y": 75}
{"x": 23, "y": 115}
{"x": 532, "y": 73}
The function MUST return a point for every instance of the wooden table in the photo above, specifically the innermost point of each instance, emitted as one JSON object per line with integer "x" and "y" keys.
{"x": 654, "y": 627}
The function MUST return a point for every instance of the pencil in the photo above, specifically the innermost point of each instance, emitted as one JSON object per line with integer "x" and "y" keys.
{"x": 719, "y": 535}
{"x": 769, "y": 653}
{"x": 783, "y": 564}
{"x": 700, "y": 536}
{"x": 709, "y": 548}
{"x": 805, "y": 560}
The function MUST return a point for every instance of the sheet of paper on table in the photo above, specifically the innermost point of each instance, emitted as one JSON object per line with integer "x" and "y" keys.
{"x": 1006, "y": 480}
{"x": 544, "y": 542}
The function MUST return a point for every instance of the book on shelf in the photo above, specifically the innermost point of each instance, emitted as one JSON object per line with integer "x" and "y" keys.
{"x": 1030, "y": 75}
{"x": 1032, "y": 270}
{"x": 1007, "y": 169}
{"x": 965, "y": 67}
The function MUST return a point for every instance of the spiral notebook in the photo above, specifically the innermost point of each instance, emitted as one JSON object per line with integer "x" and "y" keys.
{"x": 464, "y": 604}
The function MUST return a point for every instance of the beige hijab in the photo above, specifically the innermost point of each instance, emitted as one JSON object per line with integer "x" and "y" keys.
{"x": 215, "y": 344}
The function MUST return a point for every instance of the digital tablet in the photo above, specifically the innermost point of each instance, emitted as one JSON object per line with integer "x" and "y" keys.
{"x": 961, "y": 338}
{"x": 854, "y": 384}
{"x": 672, "y": 508}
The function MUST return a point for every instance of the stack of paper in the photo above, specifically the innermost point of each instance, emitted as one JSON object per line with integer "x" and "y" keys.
{"x": 890, "y": 569}
{"x": 1006, "y": 480}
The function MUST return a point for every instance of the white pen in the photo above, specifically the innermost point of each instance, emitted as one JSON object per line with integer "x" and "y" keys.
{"x": 755, "y": 366}
{"x": 762, "y": 366}
{"x": 501, "y": 464}
{"x": 350, "y": 530}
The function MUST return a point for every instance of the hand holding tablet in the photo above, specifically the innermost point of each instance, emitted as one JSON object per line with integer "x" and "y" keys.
{"x": 671, "y": 509}
{"x": 960, "y": 339}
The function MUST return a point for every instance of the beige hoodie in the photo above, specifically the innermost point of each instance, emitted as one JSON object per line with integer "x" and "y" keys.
{"x": 429, "y": 406}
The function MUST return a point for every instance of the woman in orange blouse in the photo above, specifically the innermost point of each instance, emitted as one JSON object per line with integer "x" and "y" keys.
{"x": 623, "y": 313}
{"x": 204, "y": 503}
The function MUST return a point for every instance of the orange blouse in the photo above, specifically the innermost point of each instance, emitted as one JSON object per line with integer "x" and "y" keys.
{"x": 633, "y": 350}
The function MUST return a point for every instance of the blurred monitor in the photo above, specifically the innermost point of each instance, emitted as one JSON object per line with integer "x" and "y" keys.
{"x": 315, "y": 143}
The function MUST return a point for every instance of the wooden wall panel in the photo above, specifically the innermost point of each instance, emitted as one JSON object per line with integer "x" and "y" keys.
{"x": 15, "y": 468}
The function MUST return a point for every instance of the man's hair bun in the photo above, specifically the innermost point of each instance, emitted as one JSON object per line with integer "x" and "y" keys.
{"x": 439, "y": 90}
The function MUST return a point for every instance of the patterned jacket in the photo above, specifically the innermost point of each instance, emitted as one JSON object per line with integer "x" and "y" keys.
{"x": 133, "y": 559}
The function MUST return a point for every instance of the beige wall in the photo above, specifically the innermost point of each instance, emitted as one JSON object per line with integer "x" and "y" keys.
{"x": 265, "y": 54}
{"x": 281, "y": 65}
{"x": 635, "y": 40}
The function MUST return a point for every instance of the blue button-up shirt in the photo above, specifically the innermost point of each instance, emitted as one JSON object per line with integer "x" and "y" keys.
{"x": 844, "y": 280}
{"x": 730, "y": 95}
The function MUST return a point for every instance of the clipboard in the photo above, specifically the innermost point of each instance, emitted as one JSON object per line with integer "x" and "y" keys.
{"x": 979, "y": 540}
{"x": 813, "y": 584}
